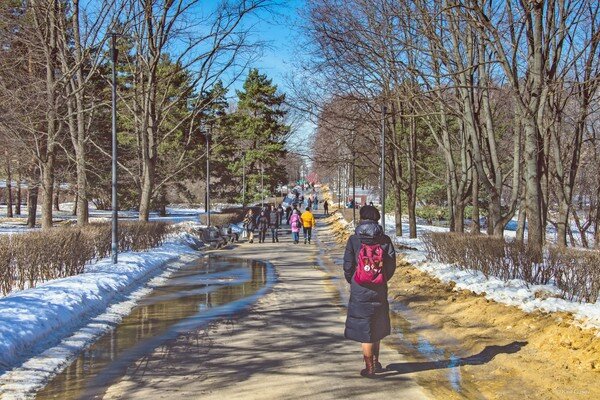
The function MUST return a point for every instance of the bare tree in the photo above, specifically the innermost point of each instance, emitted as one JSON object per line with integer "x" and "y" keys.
{"x": 157, "y": 27}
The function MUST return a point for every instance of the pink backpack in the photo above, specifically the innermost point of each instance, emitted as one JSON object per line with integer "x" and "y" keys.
{"x": 369, "y": 266}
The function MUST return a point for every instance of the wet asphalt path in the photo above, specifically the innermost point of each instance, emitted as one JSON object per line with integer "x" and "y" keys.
{"x": 289, "y": 345}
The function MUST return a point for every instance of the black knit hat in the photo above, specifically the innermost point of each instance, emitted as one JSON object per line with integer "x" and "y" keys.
{"x": 370, "y": 213}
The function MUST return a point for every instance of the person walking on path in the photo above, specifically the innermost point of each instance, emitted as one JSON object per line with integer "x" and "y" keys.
{"x": 280, "y": 212}
{"x": 296, "y": 224}
{"x": 274, "y": 224}
{"x": 308, "y": 223}
{"x": 368, "y": 319}
{"x": 250, "y": 225}
{"x": 316, "y": 203}
{"x": 326, "y": 207}
{"x": 288, "y": 213}
{"x": 263, "y": 225}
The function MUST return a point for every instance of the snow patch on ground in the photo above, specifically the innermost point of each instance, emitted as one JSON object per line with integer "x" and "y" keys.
{"x": 35, "y": 319}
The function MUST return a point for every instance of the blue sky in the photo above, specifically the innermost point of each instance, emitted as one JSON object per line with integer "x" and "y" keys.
{"x": 278, "y": 28}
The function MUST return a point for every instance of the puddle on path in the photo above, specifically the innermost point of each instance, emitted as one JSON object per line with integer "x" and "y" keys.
{"x": 205, "y": 289}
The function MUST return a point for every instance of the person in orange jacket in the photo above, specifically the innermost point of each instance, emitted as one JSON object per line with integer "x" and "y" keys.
{"x": 308, "y": 223}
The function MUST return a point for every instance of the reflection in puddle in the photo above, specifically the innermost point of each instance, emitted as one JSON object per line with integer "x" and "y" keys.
{"x": 454, "y": 372}
{"x": 208, "y": 288}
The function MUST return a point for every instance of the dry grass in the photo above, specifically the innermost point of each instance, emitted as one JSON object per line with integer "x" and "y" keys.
{"x": 558, "y": 355}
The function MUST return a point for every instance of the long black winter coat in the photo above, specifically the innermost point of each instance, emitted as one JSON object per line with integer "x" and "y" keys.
{"x": 262, "y": 223}
{"x": 274, "y": 220}
{"x": 368, "y": 317}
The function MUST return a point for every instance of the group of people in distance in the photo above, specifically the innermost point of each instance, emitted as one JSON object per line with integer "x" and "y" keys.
{"x": 272, "y": 218}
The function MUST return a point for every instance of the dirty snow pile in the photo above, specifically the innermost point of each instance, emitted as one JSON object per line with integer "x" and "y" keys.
{"x": 514, "y": 292}
{"x": 342, "y": 221}
{"x": 35, "y": 319}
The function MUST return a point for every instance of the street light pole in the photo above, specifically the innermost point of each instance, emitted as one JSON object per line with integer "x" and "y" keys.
{"x": 115, "y": 203}
{"x": 354, "y": 187}
{"x": 207, "y": 205}
{"x": 262, "y": 183}
{"x": 339, "y": 187}
{"x": 243, "y": 180}
{"x": 383, "y": 114}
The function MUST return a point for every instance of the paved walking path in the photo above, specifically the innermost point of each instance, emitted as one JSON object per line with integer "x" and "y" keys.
{"x": 290, "y": 345}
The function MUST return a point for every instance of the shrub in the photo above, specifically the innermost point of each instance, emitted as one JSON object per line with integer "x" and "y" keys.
{"x": 575, "y": 272}
{"x": 432, "y": 213}
{"x": 33, "y": 257}
{"x": 221, "y": 219}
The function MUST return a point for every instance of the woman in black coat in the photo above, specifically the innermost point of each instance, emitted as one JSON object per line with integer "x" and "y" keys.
{"x": 262, "y": 225}
{"x": 368, "y": 319}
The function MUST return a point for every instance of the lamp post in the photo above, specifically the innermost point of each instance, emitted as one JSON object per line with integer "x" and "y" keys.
{"x": 114, "y": 183}
{"x": 383, "y": 114}
{"x": 208, "y": 132}
{"x": 354, "y": 187}
{"x": 243, "y": 180}
{"x": 262, "y": 183}
{"x": 339, "y": 187}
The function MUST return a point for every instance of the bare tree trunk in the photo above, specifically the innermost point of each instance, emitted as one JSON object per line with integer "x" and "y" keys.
{"x": 459, "y": 218}
{"x": 397, "y": 175}
{"x": 32, "y": 200}
{"x": 398, "y": 206}
{"x": 9, "y": 198}
{"x": 412, "y": 214}
{"x": 80, "y": 138}
{"x": 45, "y": 20}
{"x": 475, "y": 225}
{"x": 18, "y": 202}
{"x": 535, "y": 237}
{"x": 597, "y": 221}
{"x": 450, "y": 199}
{"x": 57, "y": 198}
{"x": 522, "y": 218}
{"x": 146, "y": 195}
{"x": 562, "y": 223}
{"x": 47, "y": 191}
{"x": 412, "y": 180}
{"x": 75, "y": 205}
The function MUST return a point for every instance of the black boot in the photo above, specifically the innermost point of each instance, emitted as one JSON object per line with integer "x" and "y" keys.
{"x": 377, "y": 365}
{"x": 369, "y": 371}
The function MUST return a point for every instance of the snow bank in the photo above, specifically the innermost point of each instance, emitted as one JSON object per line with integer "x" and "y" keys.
{"x": 34, "y": 319}
{"x": 514, "y": 292}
